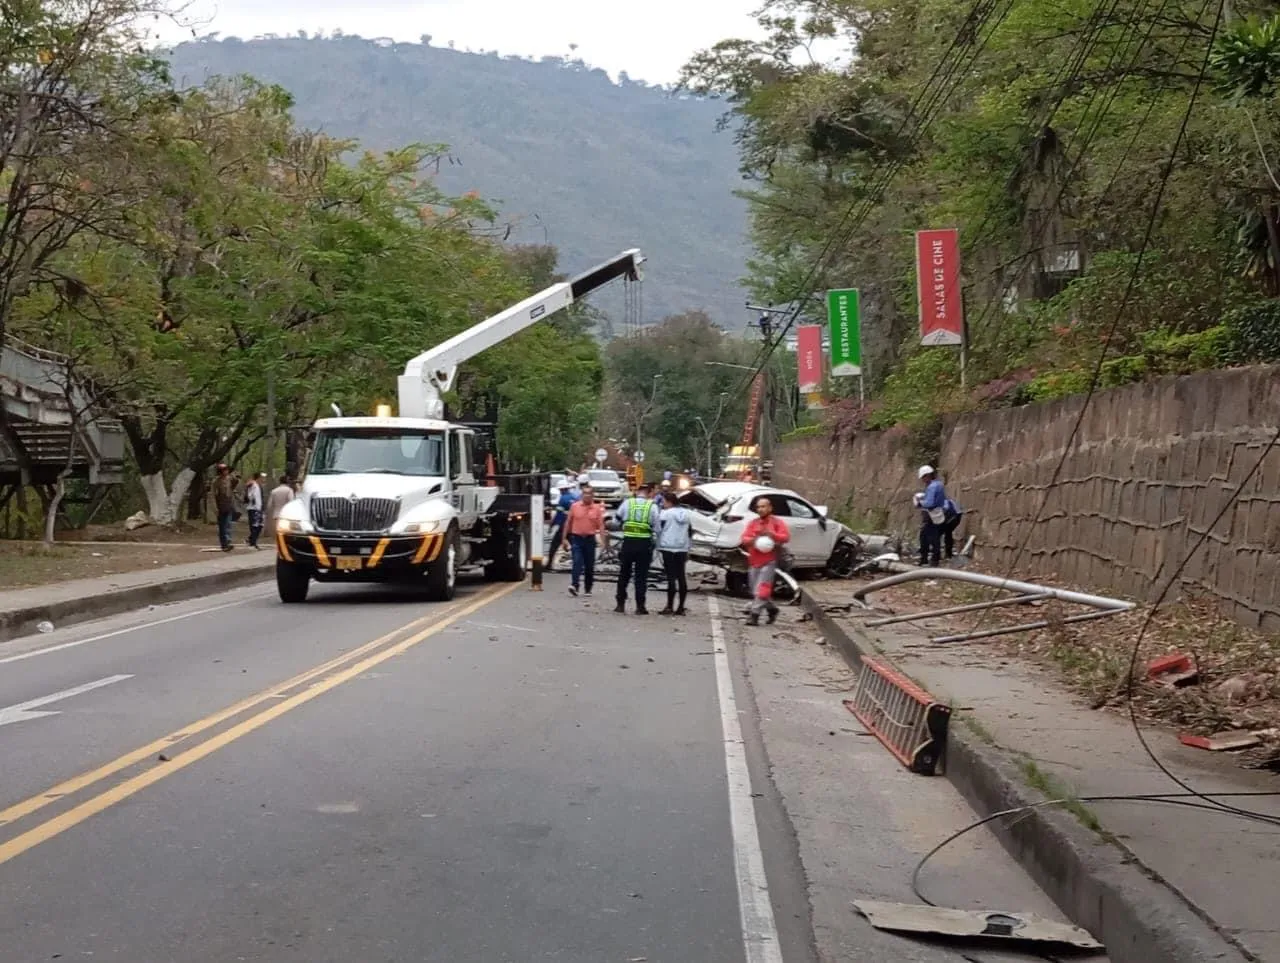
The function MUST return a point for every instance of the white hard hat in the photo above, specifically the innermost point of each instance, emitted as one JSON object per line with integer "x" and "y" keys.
{"x": 584, "y": 479}
{"x": 925, "y": 470}
{"x": 764, "y": 544}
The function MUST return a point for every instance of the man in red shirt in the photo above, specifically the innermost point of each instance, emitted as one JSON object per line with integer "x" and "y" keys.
{"x": 584, "y": 527}
{"x": 762, "y": 557}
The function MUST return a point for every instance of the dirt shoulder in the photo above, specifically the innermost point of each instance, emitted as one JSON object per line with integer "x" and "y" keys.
{"x": 105, "y": 550}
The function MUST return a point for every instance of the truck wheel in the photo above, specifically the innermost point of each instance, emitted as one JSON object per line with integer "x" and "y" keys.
{"x": 292, "y": 581}
{"x": 442, "y": 574}
{"x": 737, "y": 584}
{"x": 511, "y": 564}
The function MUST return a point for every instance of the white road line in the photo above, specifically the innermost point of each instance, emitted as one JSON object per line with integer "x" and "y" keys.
{"x": 25, "y": 710}
{"x": 500, "y": 625}
{"x": 759, "y": 932}
{"x": 133, "y": 628}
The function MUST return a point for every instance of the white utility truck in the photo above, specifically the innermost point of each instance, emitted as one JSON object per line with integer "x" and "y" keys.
{"x": 396, "y": 498}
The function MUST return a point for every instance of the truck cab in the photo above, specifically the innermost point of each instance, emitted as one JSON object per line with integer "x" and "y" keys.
{"x": 394, "y": 499}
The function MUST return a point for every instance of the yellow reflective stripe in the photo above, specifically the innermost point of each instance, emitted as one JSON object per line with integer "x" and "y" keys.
{"x": 378, "y": 551}
{"x": 283, "y": 547}
{"x": 322, "y": 557}
{"x": 421, "y": 553}
{"x": 437, "y": 545}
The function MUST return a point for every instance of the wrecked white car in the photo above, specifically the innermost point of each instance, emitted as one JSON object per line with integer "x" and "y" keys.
{"x": 720, "y": 512}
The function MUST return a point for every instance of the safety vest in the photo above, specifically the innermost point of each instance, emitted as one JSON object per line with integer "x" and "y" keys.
{"x": 636, "y": 521}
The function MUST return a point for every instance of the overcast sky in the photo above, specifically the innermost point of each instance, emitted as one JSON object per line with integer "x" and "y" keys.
{"x": 649, "y": 40}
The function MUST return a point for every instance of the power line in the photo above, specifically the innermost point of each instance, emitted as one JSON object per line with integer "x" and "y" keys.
{"x": 1166, "y": 173}
{"x": 979, "y": 16}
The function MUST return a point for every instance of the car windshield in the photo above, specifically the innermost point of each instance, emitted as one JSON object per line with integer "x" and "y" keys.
{"x": 388, "y": 451}
{"x": 603, "y": 476}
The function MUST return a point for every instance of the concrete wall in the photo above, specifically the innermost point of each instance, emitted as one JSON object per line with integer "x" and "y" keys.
{"x": 1151, "y": 467}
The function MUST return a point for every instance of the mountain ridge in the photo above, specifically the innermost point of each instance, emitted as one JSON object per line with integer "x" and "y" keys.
{"x": 575, "y": 159}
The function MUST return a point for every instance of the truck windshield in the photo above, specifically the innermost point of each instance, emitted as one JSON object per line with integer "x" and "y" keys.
{"x": 388, "y": 451}
{"x": 603, "y": 476}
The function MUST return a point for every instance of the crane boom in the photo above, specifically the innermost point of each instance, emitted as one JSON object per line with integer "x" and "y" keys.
{"x": 428, "y": 376}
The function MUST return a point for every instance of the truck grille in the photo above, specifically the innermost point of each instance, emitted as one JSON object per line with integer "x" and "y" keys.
{"x": 336, "y": 514}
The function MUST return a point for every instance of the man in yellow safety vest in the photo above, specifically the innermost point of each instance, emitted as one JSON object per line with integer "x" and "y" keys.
{"x": 639, "y": 517}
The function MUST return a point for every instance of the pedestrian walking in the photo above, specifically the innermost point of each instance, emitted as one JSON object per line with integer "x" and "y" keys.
{"x": 639, "y": 517}
{"x": 280, "y": 496}
{"x": 224, "y": 499}
{"x": 584, "y": 528}
{"x": 933, "y": 515}
{"x": 763, "y": 537}
{"x": 253, "y": 505}
{"x": 674, "y": 542}
{"x": 564, "y": 502}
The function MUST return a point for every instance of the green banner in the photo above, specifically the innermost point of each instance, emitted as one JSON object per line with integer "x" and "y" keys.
{"x": 844, "y": 317}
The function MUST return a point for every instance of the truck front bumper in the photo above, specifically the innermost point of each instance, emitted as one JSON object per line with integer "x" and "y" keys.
{"x": 360, "y": 558}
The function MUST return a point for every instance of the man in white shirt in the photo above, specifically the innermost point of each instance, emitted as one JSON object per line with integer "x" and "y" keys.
{"x": 253, "y": 507}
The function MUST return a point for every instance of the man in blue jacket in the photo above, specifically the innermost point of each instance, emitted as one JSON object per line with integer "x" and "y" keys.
{"x": 567, "y": 497}
{"x": 932, "y": 504}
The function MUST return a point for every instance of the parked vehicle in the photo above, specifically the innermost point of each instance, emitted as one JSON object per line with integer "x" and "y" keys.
{"x": 397, "y": 497}
{"x": 721, "y": 511}
{"x": 609, "y": 486}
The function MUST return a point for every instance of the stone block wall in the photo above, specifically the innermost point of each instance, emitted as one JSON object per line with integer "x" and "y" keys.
{"x": 1150, "y": 469}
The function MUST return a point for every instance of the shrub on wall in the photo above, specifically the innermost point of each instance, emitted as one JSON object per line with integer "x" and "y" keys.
{"x": 1252, "y": 333}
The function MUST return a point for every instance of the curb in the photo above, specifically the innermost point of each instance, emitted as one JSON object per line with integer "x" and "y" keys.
{"x": 17, "y": 623}
{"x": 1098, "y": 885}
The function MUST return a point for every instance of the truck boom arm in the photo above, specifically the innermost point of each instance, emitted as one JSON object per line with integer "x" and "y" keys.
{"x": 428, "y": 376}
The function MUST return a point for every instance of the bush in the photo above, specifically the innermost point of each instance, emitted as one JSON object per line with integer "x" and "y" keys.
{"x": 1252, "y": 333}
{"x": 1058, "y": 384}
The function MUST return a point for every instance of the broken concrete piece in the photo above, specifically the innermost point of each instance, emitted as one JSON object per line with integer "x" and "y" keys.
{"x": 972, "y": 924}
{"x": 1220, "y": 741}
{"x": 1178, "y": 662}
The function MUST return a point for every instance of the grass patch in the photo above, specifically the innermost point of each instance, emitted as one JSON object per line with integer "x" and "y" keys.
{"x": 1053, "y": 788}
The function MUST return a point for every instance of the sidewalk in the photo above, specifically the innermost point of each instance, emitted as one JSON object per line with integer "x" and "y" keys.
{"x": 67, "y": 603}
{"x": 1226, "y": 869}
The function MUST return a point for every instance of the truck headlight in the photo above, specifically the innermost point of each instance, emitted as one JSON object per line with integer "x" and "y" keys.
{"x": 421, "y": 528}
{"x": 290, "y": 525}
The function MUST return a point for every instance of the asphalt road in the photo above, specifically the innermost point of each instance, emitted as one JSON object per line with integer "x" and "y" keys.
{"x": 516, "y": 776}
{"x": 512, "y": 777}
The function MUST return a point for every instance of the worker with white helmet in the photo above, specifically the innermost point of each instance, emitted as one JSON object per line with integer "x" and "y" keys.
{"x": 932, "y": 503}
{"x": 763, "y": 538}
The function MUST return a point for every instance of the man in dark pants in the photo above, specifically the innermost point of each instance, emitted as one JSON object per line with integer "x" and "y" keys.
{"x": 932, "y": 516}
{"x": 225, "y": 502}
{"x": 639, "y": 517}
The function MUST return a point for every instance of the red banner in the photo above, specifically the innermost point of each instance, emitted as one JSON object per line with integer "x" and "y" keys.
{"x": 938, "y": 285}
{"x": 809, "y": 357}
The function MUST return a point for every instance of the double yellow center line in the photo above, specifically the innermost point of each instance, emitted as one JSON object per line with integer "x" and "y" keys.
{"x": 322, "y": 678}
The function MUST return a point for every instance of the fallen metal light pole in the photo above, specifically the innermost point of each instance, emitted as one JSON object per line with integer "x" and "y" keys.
{"x": 1027, "y": 592}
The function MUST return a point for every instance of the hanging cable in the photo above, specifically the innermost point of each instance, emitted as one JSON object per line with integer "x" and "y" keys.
{"x": 1166, "y": 173}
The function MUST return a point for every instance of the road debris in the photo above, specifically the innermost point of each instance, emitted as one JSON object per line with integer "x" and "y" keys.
{"x": 973, "y": 924}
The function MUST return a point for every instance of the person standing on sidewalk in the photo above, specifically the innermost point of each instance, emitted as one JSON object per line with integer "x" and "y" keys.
{"x": 933, "y": 515}
{"x": 224, "y": 499}
{"x": 763, "y": 537}
{"x": 280, "y": 496}
{"x": 584, "y": 528}
{"x": 253, "y": 506}
{"x": 674, "y": 542}
{"x": 639, "y": 517}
